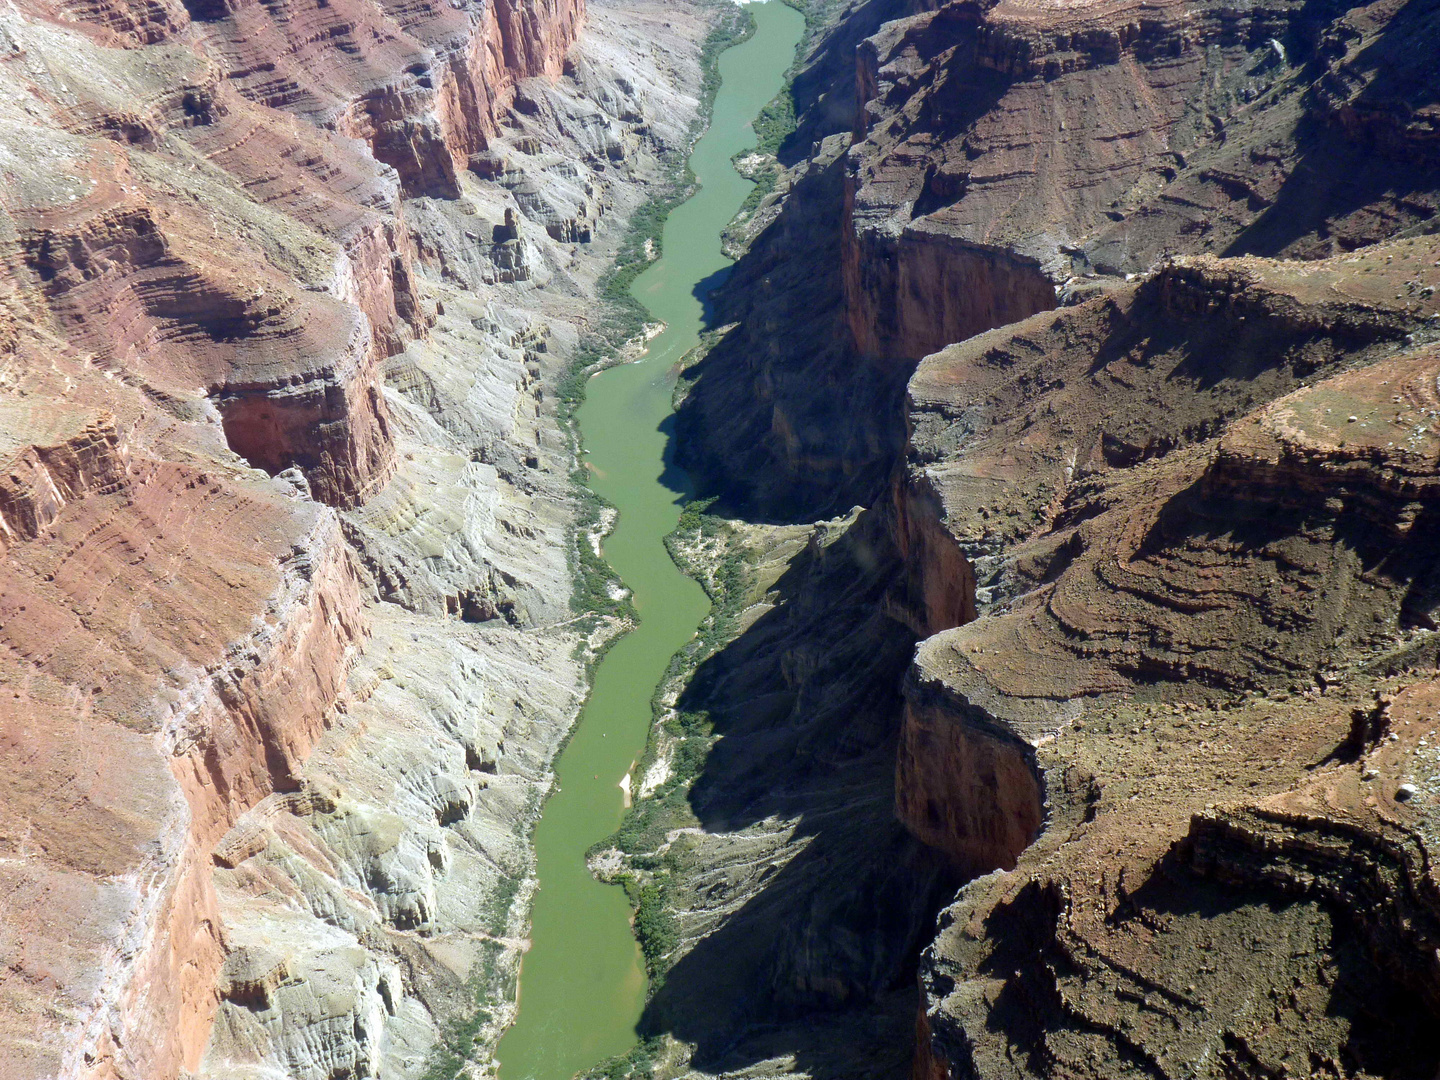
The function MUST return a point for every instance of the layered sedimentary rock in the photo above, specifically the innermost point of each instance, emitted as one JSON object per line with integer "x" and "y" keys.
{"x": 285, "y": 513}
{"x": 1160, "y": 518}
{"x": 1215, "y": 623}
{"x": 156, "y": 695}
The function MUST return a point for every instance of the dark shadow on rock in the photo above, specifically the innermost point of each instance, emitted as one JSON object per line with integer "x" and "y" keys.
{"x": 824, "y": 88}
{"x": 704, "y": 292}
{"x": 784, "y": 422}
{"x": 817, "y": 961}
{"x": 1340, "y": 191}
{"x": 1359, "y": 173}
{"x": 1392, "y": 1032}
{"x": 1184, "y": 960}
{"x": 672, "y": 476}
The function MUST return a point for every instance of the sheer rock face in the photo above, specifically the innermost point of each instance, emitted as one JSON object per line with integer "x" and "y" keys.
{"x": 1188, "y": 715}
{"x": 1005, "y": 147}
{"x": 265, "y": 806}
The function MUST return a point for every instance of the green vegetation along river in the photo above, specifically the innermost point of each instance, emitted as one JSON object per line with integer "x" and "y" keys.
{"x": 582, "y": 984}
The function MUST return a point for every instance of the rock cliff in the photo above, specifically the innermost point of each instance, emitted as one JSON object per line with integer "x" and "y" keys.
{"x": 1121, "y": 321}
{"x": 286, "y": 511}
{"x": 1181, "y": 638}
{"x": 1159, "y": 285}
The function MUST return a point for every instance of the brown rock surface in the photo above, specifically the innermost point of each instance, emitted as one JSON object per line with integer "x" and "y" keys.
{"x": 1216, "y": 623}
{"x": 1007, "y": 158}
{"x": 1001, "y": 145}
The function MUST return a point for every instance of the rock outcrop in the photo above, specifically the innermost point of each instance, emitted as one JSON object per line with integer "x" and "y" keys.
{"x": 1184, "y": 640}
{"x": 285, "y": 508}
{"x": 1160, "y": 286}
{"x": 1094, "y": 137}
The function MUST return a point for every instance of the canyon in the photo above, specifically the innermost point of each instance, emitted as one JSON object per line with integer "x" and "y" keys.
{"x": 290, "y": 292}
{"x": 1064, "y": 448}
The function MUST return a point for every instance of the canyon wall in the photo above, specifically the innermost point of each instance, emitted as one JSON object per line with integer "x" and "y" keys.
{"x": 1177, "y": 630}
{"x": 286, "y": 513}
{"x": 1121, "y": 322}
{"x": 910, "y": 295}
{"x": 964, "y": 784}
{"x": 1160, "y": 289}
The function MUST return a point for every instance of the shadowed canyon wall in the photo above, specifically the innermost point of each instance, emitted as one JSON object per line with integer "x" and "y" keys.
{"x": 1160, "y": 287}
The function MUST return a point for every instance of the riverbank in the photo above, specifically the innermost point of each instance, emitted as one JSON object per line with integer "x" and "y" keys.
{"x": 583, "y": 984}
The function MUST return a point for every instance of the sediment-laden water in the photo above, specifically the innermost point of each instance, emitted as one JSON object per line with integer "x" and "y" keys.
{"x": 582, "y": 983}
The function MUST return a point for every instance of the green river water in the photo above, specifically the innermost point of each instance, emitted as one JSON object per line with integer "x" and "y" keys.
{"x": 582, "y": 984}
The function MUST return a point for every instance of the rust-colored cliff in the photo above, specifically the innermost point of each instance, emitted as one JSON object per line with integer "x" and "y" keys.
{"x": 234, "y": 514}
{"x": 1104, "y": 338}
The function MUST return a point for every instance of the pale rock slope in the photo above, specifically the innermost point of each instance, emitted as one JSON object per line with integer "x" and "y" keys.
{"x": 286, "y": 509}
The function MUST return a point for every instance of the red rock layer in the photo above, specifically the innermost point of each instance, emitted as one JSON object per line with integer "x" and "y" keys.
{"x": 81, "y": 456}
{"x": 200, "y": 261}
{"x": 424, "y": 85}
{"x": 160, "y": 682}
{"x": 964, "y": 785}
{"x": 294, "y": 374}
{"x": 938, "y": 591}
{"x": 910, "y": 296}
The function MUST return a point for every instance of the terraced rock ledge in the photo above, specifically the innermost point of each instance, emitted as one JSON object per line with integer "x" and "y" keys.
{"x": 287, "y": 511}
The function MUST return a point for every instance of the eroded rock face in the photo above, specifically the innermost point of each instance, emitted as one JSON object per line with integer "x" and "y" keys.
{"x": 1004, "y": 159}
{"x": 1009, "y": 158}
{"x": 166, "y": 694}
{"x": 964, "y": 784}
{"x": 914, "y": 294}
{"x": 284, "y": 510}
{"x": 283, "y": 336}
{"x": 1186, "y": 639}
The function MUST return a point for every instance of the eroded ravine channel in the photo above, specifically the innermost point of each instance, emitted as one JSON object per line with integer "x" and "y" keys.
{"x": 582, "y": 983}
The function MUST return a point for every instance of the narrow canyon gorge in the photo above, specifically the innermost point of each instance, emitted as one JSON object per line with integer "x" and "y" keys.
{"x": 1055, "y": 457}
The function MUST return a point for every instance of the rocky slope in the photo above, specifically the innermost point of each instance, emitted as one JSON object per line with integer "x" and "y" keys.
{"x": 1158, "y": 288}
{"x": 1202, "y": 673}
{"x": 286, "y": 510}
{"x": 1021, "y": 143}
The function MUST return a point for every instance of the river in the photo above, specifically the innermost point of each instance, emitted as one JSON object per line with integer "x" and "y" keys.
{"x": 582, "y": 984}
